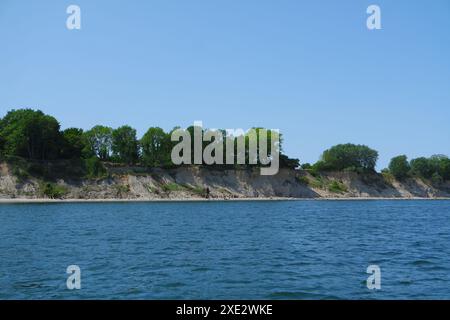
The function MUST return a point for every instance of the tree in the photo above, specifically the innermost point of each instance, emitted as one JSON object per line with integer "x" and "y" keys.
{"x": 31, "y": 134}
{"x": 74, "y": 143}
{"x": 2, "y": 144}
{"x": 99, "y": 142}
{"x": 286, "y": 162}
{"x": 350, "y": 156}
{"x": 255, "y": 134}
{"x": 422, "y": 167}
{"x": 444, "y": 168}
{"x": 156, "y": 147}
{"x": 306, "y": 166}
{"x": 125, "y": 146}
{"x": 399, "y": 167}
{"x": 441, "y": 165}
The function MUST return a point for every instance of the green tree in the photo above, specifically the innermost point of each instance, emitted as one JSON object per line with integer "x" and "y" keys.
{"x": 156, "y": 147}
{"x": 2, "y": 144}
{"x": 94, "y": 168}
{"x": 399, "y": 167}
{"x": 436, "y": 179}
{"x": 444, "y": 168}
{"x": 286, "y": 162}
{"x": 99, "y": 142}
{"x": 422, "y": 167}
{"x": 306, "y": 166}
{"x": 125, "y": 146}
{"x": 271, "y": 135}
{"x": 349, "y": 156}
{"x": 441, "y": 165}
{"x": 31, "y": 134}
{"x": 191, "y": 130}
{"x": 74, "y": 143}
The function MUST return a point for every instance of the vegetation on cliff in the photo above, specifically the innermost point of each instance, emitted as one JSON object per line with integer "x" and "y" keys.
{"x": 29, "y": 137}
{"x": 35, "y": 136}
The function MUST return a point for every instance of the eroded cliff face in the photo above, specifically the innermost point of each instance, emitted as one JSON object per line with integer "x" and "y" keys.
{"x": 203, "y": 182}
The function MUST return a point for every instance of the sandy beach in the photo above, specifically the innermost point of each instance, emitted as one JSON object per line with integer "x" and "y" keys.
{"x": 43, "y": 200}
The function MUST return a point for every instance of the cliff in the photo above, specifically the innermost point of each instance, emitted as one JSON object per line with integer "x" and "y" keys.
{"x": 192, "y": 182}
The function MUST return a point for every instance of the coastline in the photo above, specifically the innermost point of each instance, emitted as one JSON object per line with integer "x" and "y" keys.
{"x": 194, "y": 184}
{"x": 174, "y": 200}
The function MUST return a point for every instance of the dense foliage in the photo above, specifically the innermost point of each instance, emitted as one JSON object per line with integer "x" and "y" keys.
{"x": 399, "y": 167}
{"x": 435, "y": 168}
{"x": 348, "y": 157}
{"x": 31, "y": 134}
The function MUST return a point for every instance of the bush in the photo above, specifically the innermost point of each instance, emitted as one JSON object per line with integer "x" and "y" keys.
{"x": 302, "y": 180}
{"x": 20, "y": 173}
{"x": 52, "y": 191}
{"x": 122, "y": 189}
{"x": 320, "y": 166}
{"x": 306, "y": 166}
{"x": 94, "y": 168}
{"x": 318, "y": 183}
{"x": 387, "y": 176}
{"x": 399, "y": 167}
{"x": 337, "y": 187}
{"x": 172, "y": 186}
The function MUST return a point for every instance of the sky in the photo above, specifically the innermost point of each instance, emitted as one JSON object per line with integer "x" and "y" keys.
{"x": 311, "y": 69}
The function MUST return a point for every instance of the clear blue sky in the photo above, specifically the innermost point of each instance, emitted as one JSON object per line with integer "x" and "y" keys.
{"x": 309, "y": 68}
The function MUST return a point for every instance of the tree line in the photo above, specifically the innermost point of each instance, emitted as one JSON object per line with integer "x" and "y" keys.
{"x": 34, "y": 135}
{"x": 360, "y": 158}
{"x": 436, "y": 168}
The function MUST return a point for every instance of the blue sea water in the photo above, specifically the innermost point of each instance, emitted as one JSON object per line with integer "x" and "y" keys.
{"x": 226, "y": 250}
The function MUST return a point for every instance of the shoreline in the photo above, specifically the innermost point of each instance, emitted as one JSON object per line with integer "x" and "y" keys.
{"x": 174, "y": 200}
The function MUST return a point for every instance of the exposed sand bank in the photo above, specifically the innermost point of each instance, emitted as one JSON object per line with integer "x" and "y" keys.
{"x": 193, "y": 183}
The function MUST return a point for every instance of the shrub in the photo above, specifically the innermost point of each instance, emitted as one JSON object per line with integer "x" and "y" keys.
{"x": 387, "y": 176}
{"x": 302, "y": 180}
{"x": 172, "y": 186}
{"x": 52, "y": 191}
{"x": 318, "y": 182}
{"x": 122, "y": 189}
{"x": 20, "y": 173}
{"x": 306, "y": 166}
{"x": 94, "y": 168}
{"x": 195, "y": 189}
{"x": 337, "y": 187}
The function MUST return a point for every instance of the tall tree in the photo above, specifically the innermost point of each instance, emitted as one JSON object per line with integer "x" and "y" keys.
{"x": 349, "y": 156}
{"x": 74, "y": 143}
{"x": 99, "y": 142}
{"x": 399, "y": 167}
{"x": 422, "y": 167}
{"x": 125, "y": 146}
{"x": 156, "y": 147}
{"x": 441, "y": 165}
{"x": 32, "y": 134}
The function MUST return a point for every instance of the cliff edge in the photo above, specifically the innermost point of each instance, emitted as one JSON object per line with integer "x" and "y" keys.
{"x": 196, "y": 182}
